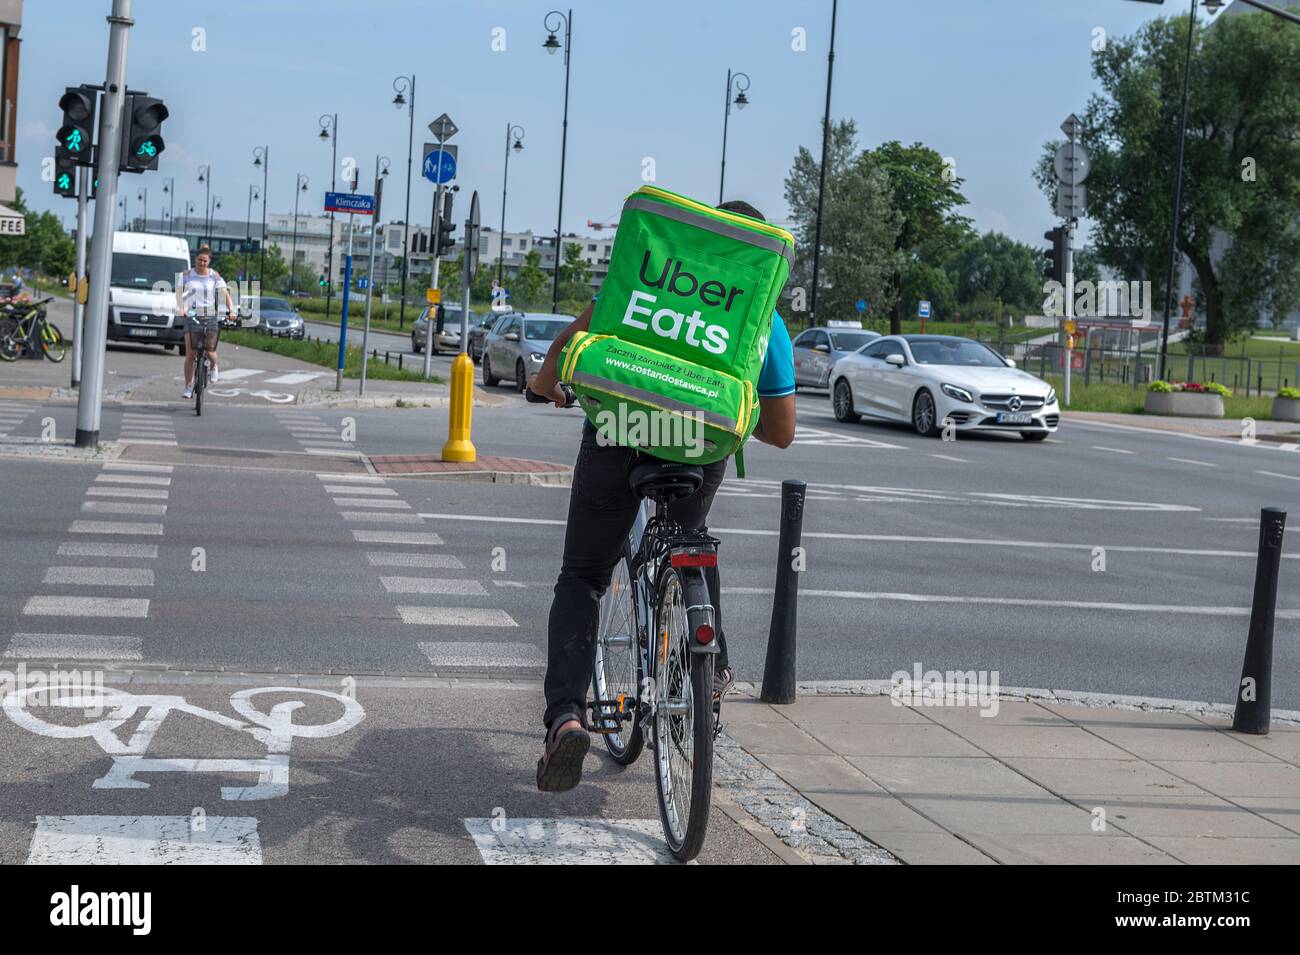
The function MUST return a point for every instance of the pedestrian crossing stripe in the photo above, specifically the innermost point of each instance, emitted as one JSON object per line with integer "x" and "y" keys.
{"x": 145, "y": 840}
{"x": 505, "y": 841}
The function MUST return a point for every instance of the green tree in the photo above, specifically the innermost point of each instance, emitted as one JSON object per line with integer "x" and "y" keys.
{"x": 526, "y": 289}
{"x": 1239, "y": 169}
{"x": 45, "y": 248}
{"x": 926, "y": 193}
{"x": 996, "y": 268}
{"x": 859, "y": 228}
{"x": 574, "y": 277}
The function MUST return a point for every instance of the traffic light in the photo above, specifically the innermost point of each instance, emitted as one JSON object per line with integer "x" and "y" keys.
{"x": 76, "y": 136}
{"x": 445, "y": 228}
{"x": 142, "y": 119}
{"x": 322, "y": 282}
{"x": 1054, "y": 264}
{"x": 65, "y": 177}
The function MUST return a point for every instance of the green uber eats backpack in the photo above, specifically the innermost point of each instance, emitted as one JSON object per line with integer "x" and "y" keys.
{"x": 680, "y": 329}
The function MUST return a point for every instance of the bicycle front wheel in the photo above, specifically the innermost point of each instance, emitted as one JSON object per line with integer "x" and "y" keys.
{"x": 200, "y": 384}
{"x": 617, "y": 673}
{"x": 683, "y": 723}
{"x": 9, "y": 341}
{"x": 53, "y": 343}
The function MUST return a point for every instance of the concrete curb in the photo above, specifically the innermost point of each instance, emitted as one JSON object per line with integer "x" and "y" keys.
{"x": 1031, "y": 695}
{"x": 36, "y": 449}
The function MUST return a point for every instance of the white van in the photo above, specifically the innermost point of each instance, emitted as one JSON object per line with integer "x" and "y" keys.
{"x": 142, "y": 292}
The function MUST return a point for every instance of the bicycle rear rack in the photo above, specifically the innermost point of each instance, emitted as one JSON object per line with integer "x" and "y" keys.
{"x": 608, "y": 716}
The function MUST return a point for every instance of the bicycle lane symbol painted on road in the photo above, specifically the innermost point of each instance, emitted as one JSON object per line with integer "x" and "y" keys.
{"x": 275, "y": 730}
{"x": 275, "y": 397}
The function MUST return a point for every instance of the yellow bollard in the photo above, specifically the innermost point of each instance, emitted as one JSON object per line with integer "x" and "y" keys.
{"x": 459, "y": 447}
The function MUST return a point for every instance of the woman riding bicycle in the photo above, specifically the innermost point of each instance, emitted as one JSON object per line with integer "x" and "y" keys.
{"x": 197, "y": 291}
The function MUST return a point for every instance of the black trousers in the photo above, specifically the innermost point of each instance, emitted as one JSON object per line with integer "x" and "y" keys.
{"x": 602, "y": 509}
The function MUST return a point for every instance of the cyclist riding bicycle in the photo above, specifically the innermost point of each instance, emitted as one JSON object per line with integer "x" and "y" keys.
{"x": 602, "y": 509}
{"x": 197, "y": 291}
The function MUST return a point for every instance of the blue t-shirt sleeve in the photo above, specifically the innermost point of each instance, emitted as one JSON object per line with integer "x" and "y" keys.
{"x": 777, "y": 377}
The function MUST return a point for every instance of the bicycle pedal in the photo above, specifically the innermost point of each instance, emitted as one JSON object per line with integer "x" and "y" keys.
{"x": 608, "y": 716}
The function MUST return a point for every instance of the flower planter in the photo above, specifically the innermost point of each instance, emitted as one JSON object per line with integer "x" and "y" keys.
{"x": 1184, "y": 404}
{"x": 1286, "y": 409}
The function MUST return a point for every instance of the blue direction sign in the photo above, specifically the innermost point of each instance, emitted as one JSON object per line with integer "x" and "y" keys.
{"x": 860, "y": 305}
{"x": 350, "y": 202}
{"x": 439, "y": 163}
{"x": 923, "y": 309}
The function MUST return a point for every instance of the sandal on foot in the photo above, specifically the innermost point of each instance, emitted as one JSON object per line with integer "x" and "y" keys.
{"x": 560, "y": 768}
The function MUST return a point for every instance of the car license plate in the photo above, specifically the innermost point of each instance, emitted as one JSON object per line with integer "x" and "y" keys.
{"x": 1015, "y": 417}
{"x": 143, "y": 332}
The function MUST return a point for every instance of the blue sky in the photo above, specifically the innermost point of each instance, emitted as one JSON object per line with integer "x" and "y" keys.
{"x": 983, "y": 81}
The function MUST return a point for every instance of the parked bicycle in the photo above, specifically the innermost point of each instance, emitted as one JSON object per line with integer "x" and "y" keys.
{"x": 24, "y": 329}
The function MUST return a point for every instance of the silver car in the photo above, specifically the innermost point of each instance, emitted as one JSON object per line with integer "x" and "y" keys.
{"x": 478, "y": 333}
{"x": 816, "y": 350}
{"x": 516, "y": 345}
{"x": 448, "y": 339}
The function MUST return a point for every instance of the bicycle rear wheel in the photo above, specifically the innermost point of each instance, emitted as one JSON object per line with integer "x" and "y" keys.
{"x": 10, "y": 347}
{"x": 52, "y": 342}
{"x": 617, "y": 672}
{"x": 683, "y": 722}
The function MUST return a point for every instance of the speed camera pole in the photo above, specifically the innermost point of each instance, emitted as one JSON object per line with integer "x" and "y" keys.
{"x": 101, "y": 249}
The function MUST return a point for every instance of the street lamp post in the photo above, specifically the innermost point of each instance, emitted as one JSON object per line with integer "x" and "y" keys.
{"x": 248, "y": 226}
{"x": 212, "y": 218}
{"x": 205, "y": 177}
{"x": 329, "y": 133}
{"x": 262, "y": 157}
{"x": 300, "y": 186}
{"x": 515, "y": 140}
{"x": 169, "y": 190}
{"x": 551, "y": 46}
{"x": 189, "y": 207}
{"x": 402, "y": 85}
{"x": 821, "y": 173}
{"x": 741, "y": 102}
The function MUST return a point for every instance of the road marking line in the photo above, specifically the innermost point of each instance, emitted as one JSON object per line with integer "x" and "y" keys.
{"x": 74, "y": 646}
{"x": 359, "y": 478}
{"x": 142, "y": 479}
{"x": 330, "y": 451}
{"x": 400, "y": 559}
{"x": 1288, "y": 477}
{"x": 139, "y": 492}
{"x": 123, "y": 507}
{"x": 507, "y": 841}
{"x": 85, "y": 549}
{"x": 236, "y": 374}
{"x": 433, "y": 585}
{"x": 1171, "y": 609}
{"x": 147, "y": 468}
{"x": 949, "y": 457}
{"x": 294, "y": 378}
{"x": 145, "y": 840}
{"x": 344, "y": 489}
{"x": 396, "y": 537}
{"x": 456, "y": 617}
{"x": 100, "y": 576}
{"x": 483, "y": 655}
{"x": 396, "y": 505}
{"x": 311, "y": 444}
{"x": 86, "y": 607}
{"x": 116, "y": 527}
{"x": 381, "y": 517}
{"x": 497, "y": 520}
{"x": 1204, "y": 464}
{"x": 1098, "y": 447}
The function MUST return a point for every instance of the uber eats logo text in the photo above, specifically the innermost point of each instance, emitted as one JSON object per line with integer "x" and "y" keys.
{"x": 668, "y": 322}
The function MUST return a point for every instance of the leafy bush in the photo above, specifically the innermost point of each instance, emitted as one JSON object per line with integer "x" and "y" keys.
{"x": 1160, "y": 387}
{"x": 1190, "y": 387}
{"x": 1293, "y": 393}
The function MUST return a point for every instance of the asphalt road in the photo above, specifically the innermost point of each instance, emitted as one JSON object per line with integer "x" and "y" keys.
{"x": 979, "y": 554}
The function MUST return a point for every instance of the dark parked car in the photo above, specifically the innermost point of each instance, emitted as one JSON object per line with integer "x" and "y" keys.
{"x": 275, "y": 316}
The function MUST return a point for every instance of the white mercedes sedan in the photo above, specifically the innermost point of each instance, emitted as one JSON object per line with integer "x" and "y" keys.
{"x": 931, "y": 381}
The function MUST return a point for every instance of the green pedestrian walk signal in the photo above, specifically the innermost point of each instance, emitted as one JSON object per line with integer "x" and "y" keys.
{"x": 76, "y": 136}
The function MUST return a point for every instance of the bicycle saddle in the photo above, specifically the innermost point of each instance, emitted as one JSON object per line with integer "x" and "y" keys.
{"x": 666, "y": 479}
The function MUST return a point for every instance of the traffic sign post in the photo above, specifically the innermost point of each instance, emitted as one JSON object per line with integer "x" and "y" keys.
{"x": 443, "y": 129}
{"x": 923, "y": 312}
{"x": 459, "y": 446}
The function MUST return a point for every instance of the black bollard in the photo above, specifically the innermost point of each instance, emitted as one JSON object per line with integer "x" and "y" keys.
{"x": 1254, "y": 715}
{"x": 779, "y": 668}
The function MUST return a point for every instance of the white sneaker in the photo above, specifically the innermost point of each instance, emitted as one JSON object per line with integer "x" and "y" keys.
{"x": 187, "y": 392}
{"x": 216, "y": 377}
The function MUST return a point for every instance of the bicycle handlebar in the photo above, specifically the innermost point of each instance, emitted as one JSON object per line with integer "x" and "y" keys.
{"x": 570, "y": 396}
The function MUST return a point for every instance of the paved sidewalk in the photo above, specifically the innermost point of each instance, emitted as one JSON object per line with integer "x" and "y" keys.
{"x": 1229, "y": 428}
{"x": 1039, "y": 782}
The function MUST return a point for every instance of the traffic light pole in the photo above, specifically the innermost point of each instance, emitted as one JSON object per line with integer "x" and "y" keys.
{"x": 78, "y": 308}
{"x": 100, "y": 263}
{"x": 370, "y": 272}
{"x": 433, "y": 281}
{"x": 1068, "y": 264}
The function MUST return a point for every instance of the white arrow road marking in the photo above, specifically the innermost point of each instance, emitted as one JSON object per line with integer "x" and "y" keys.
{"x": 505, "y": 841}
{"x": 145, "y": 840}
